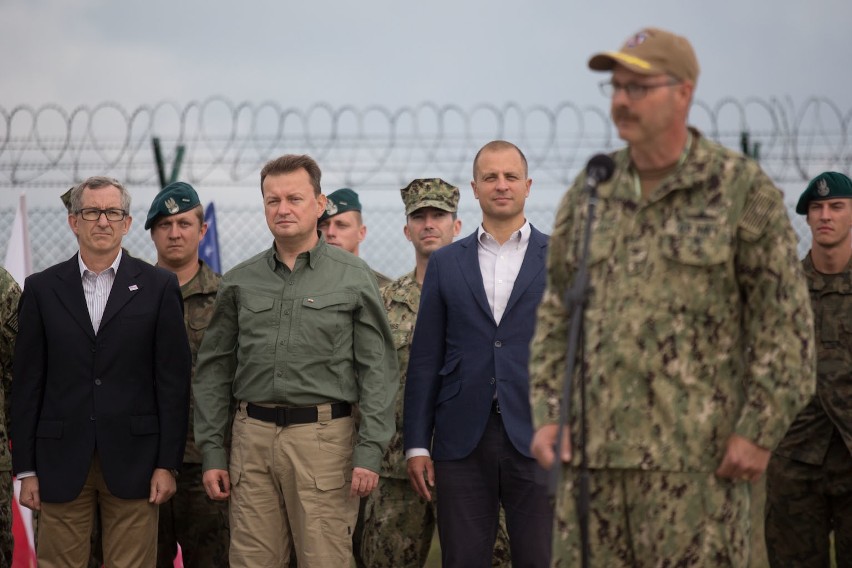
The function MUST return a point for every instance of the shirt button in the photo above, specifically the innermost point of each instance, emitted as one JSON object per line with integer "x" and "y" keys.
{"x": 98, "y": 382}
{"x": 493, "y": 380}
{"x": 498, "y": 343}
{"x": 279, "y": 373}
{"x": 92, "y": 418}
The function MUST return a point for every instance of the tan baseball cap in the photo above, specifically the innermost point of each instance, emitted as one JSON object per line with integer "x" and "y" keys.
{"x": 652, "y": 51}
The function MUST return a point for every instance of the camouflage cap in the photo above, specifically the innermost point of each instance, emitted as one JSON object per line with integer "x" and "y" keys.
{"x": 340, "y": 201}
{"x": 827, "y": 185}
{"x": 175, "y": 198}
{"x": 652, "y": 51}
{"x": 430, "y": 192}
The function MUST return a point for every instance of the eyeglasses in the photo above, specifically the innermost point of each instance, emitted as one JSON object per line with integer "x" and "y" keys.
{"x": 634, "y": 91}
{"x": 113, "y": 215}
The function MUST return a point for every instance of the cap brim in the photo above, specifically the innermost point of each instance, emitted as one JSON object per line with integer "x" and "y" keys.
{"x": 436, "y": 204}
{"x": 607, "y": 60}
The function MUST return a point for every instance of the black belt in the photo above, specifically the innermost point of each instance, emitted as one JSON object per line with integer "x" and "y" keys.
{"x": 287, "y": 415}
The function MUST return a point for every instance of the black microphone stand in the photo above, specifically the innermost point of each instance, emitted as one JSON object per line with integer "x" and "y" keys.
{"x": 576, "y": 298}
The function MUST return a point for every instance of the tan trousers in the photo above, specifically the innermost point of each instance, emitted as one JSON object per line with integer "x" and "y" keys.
{"x": 129, "y": 528}
{"x": 290, "y": 487}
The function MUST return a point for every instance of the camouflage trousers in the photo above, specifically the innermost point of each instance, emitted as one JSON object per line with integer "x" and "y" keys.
{"x": 804, "y": 504}
{"x": 7, "y": 493}
{"x": 646, "y": 518}
{"x": 195, "y": 521}
{"x": 399, "y": 526}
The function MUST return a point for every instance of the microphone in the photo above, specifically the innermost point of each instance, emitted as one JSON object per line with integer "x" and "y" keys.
{"x": 598, "y": 170}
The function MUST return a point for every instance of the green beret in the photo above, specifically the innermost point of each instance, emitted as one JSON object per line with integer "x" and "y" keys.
{"x": 430, "y": 192}
{"x": 175, "y": 198}
{"x": 827, "y": 185}
{"x": 66, "y": 198}
{"x": 340, "y": 201}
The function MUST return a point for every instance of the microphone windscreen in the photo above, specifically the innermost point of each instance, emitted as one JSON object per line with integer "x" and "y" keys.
{"x": 600, "y": 167}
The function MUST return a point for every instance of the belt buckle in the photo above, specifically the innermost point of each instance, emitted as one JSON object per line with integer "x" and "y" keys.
{"x": 282, "y": 416}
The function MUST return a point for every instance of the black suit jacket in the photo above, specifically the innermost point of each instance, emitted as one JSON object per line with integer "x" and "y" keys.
{"x": 123, "y": 392}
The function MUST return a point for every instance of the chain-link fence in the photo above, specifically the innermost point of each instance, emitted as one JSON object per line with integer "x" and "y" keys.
{"x": 374, "y": 150}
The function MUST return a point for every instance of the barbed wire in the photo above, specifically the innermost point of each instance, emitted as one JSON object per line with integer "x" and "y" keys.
{"x": 227, "y": 143}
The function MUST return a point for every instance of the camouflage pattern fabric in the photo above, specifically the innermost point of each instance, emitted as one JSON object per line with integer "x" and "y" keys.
{"x": 809, "y": 480}
{"x": 399, "y": 527}
{"x": 805, "y": 503}
{"x": 642, "y": 519}
{"x": 830, "y": 409}
{"x": 197, "y": 522}
{"x": 10, "y": 294}
{"x": 190, "y": 517}
{"x": 698, "y": 325}
{"x": 381, "y": 279}
{"x": 199, "y": 295}
{"x": 398, "y": 524}
{"x": 7, "y": 543}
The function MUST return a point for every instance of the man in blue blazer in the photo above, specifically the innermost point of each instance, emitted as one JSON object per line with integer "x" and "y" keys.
{"x": 467, "y": 394}
{"x": 100, "y": 395}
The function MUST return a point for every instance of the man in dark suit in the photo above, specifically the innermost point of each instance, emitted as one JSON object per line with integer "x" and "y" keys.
{"x": 100, "y": 393}
{"x": 467, "y": 394}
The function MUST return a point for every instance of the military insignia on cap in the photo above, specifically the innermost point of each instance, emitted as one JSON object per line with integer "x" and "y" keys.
{"x": 822, "y": 188}
{"x": 330, "y": 208}
{"x": 638, "y": 39}
{"x": 171, "y": 205}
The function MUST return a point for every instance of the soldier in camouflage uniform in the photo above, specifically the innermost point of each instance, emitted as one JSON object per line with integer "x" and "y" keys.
{"x": 343, "y": 226}
{"x": 10, "y": 293}
{"x": 809, "y": 479}
{"x": 698, "y": 334}
{"x": 398, "y": 524}
{"x": 199, "y": 524}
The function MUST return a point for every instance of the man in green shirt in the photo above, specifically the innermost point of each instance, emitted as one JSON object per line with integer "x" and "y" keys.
{"x": 298, "y": 335}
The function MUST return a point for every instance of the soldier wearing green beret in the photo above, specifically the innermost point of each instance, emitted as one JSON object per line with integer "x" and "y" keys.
{"x": 342, "y": 225}
{"x": 199, "y": 524}
{"x": 808, "y": 489}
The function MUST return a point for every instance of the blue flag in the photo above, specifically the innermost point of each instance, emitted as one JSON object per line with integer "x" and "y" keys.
{"x": 208, "y": 251}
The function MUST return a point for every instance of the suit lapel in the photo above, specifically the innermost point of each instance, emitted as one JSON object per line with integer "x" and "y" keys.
{"x": 469, "y": 267}
{"x": 70, "y": 293}
{"x": 124, "y": 288}
{"x": 531, "y": 266}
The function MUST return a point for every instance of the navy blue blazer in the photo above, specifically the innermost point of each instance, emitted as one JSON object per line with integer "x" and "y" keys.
{"x": 123, "y": 392}
{"x": 460, "y": 357}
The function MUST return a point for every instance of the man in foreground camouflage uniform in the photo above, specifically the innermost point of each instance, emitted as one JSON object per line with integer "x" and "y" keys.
{"x": 10, "y": 293}
{"x": 199, "y": 524}
{"x": 698, "y": 332}
{"x": 809, "y": 479}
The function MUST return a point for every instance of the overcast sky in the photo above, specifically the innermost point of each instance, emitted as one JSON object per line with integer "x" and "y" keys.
{"x": 398, "y": 52}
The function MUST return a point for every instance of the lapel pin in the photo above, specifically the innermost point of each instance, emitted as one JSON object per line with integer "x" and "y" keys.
{"x": 133, "y": 287}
